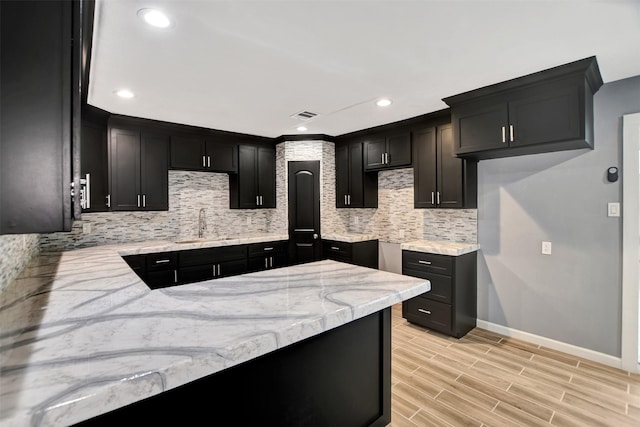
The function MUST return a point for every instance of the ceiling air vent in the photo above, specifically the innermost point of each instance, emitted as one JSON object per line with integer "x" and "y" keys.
{"x": 304, "y": 115}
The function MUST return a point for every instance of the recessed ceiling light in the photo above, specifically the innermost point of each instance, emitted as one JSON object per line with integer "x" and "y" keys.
{"x": 155, "y": 18}
{"x": 383, "y": 102}
{"x": 125, "y": 93}
{"x": 301, "y": 128}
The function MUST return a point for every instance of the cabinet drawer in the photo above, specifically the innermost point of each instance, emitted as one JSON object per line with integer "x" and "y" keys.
{"x": 441, "y": 286}
{"x": 162, "y": 261}
{"x": 431, "y": 263}
{"x": 430, "y": 314}
{"x": 260, "y": 249}
{"x": 162, "y": 278}
{"x": 212, "y": 255}
{"x": 334, "y": 249}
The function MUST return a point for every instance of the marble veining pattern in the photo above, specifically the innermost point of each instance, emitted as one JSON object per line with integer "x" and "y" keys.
{"x": 15, "y": 252}
{"x": 440, "y": 247}
{"x": 349, "y": 237}
{"x": 82, "y": 335}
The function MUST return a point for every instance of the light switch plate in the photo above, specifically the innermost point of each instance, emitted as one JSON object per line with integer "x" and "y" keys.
{"x": 613, "y": 209}
{"x": 546, "y": 248}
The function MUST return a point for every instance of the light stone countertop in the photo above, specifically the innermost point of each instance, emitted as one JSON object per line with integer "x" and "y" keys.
{"x": 349, "y": 237}
{"x": 81, "y": 334}
{"x": 440, "y": 247}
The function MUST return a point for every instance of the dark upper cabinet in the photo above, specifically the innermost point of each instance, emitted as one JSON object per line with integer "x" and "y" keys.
{"x": 387, "y": 152}
{"x": 547, "y": 111}
{"x": 202, "y": 154}
{"x": 94, "y": 166}
{"x": 442, "y": 180}
{"x": 254, "y": 186}
{"x": 138, "y": 165}
{"x": 354, "y": 187}
{"x": 39, "y": 100}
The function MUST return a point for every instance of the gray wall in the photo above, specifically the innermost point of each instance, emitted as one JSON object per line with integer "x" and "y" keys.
{"x": 573, "y": 295}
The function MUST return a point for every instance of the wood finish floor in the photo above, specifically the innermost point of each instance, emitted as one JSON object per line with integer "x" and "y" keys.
{"x": 486, "y": 379}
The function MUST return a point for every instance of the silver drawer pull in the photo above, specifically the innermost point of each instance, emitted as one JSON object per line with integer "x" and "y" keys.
{"x": 422, "y": 310}
{"x": 162, "y": 261}
{"x": 333, "y": 248}
{"x": 268, "y": 249}
{"x": 424, "y": 262}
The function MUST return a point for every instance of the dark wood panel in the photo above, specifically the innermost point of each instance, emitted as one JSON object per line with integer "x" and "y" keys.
{"x": 154, "y": 172}
{"x": 304, "y": 211}
{"x": 124, "y": 166}
{"x": 481, "y": 126}
{"x": 342, "y": 175}
{"x": 221, "y": 157}
{"x": 374, "y": 151}
{"x": 450, "y": 171}
{"x": 399, "y": 150}
{"x": 94, "y": 161}
{"x": 187, "y": 152}
{"x": 424, "y": 170}
{"x": 431, "y": 314}
{"x": 267, "y": 176}
{"x": 430, "y": 263}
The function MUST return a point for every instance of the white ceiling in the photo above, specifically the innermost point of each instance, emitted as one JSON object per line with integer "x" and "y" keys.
{"x": 247, "y": 66}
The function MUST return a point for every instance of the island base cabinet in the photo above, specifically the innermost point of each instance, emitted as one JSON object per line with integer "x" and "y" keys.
{"x": 339, "y": 378}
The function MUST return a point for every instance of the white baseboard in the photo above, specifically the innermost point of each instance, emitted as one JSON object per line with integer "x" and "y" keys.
{"x": 574, "y": 350}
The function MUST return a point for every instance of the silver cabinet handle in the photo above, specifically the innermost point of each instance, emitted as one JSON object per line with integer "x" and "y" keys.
{"x": 422, "y": 310}
{"x": 270, "y": 261}
{"x": 433, "y": 202}
{"x": 261, "y": 201}
{"x": 213, "y": 270}
{"x": 257, "y": 200}
{"x": 438, "y": 196}
{"x": 504, "y": 134}
{"x": 334, "y": 248}
{"x": 175, "y": 276}
{"x": 108, "y": 200}
{"x": 204, "y": 162}
{"x": 511, "y": 133}
{"x": 144, "y": 200}
{"x": 208, "y": 161}
{"x": 138, "y": 200}
{"x": 349, "y": 199}
{"x": 382, "y": 158}
{"x": 265, "y": 262}
{"x": 218, "y": 269}
{"x": 270, "y": 248}
{"x": 87, "y": 192}
{"x": 315, "y": 236}
{"x": 386, "y": 158}
{"x": 162, "y": 261}
{"x": 424, "y": 262}
{"x": 345, "y": 200}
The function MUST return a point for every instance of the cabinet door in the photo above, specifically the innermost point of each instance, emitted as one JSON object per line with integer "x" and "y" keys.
{"x": 246, "y": 178}
{"x": 398, "y": 150}
{"x": 196, "y": 273}
{"x": 342, "y": 175}
{"x": 479, "y": 126}
{"x": 232, "y": 268}
{"x": 124, "y": 166}
{"x": 545, "y": 115}
{"x": 267, "y": 177}
{"x": 356, "y": 176}
{"x": 154, "y": 179}
{"x": 450, "y": 171}
{"x": 424, "y": 169}
{"x": 374, "y": 153}
{"x": 94, "y": 155}
{"x": 221, "y": 157}
{"x": 187, "y": 153}
{"x": 36, "y": 103}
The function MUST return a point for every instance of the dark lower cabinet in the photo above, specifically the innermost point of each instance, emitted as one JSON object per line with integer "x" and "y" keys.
{"x": 265, "y": 256}
{"x": 364, "y": 253}
{"x": 450, "y": 306}
{"x": 196, "y": 265}
{"x": 138, "y": 163}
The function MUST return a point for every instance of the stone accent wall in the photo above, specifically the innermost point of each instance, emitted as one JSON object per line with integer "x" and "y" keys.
{"x": 16, "y": 250}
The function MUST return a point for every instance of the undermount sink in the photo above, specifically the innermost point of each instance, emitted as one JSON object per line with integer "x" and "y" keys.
{"x": 214, "y": 239}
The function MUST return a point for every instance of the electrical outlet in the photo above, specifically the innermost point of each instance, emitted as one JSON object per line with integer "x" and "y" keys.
{"x": 355, "y": 220}
{"x": 546, "y": 248}
{"x": 86, "y": 228}
{"x": 248, "y": 220}
{"x": 401, "y": 234}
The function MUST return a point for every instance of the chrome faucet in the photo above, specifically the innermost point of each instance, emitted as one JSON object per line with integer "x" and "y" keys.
{"x": 202, "y": 224}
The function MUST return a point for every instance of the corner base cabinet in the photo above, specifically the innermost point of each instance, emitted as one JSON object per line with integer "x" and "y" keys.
{"x": 451, "y": 305}
{"x": 363, "y": 253}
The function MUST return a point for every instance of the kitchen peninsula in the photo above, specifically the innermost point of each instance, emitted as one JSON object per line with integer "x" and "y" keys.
{"x": 83, "y": 335}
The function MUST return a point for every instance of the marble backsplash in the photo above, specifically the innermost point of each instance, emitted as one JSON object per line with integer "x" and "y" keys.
{"x": 16, "y": 250}
{"x": 396, "y": 214}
